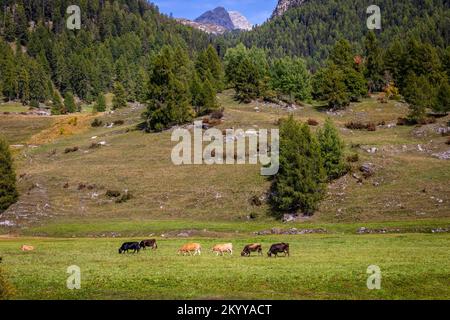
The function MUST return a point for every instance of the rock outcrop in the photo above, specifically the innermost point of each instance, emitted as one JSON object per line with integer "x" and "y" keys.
{"x": 285, "y": 5}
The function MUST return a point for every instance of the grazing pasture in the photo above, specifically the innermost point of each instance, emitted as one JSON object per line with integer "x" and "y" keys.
{"x": 414, "y": 266}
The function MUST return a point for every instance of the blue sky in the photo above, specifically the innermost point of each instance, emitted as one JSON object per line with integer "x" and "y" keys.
{"x": 256, "y": 11}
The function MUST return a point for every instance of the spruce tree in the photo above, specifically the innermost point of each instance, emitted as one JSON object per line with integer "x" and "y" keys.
{"x": 8, "y": 191}
{"x": 332, "y": 150}
{"x": 100, "y": 103}
{"x": 420, "y": 95}
{"x": 168, "y": 97}
{"x": 299, "y": 184}
{"x": 57, "y": 104}
{"x": 443, "y": 98}
{"x": 374, "y": 63}
{"x": 69, "y": 103}
{"x": 119, "y": 99}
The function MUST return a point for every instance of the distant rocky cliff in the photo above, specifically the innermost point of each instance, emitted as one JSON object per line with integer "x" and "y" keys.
{"x": 285, "y": 5}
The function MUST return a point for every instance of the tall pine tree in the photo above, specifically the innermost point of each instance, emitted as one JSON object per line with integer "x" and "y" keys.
{"x": 8, "y": 191}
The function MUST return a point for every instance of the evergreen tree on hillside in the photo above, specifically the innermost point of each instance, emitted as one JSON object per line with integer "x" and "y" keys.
{"x": 69, "y": 103}
{"x": 332, "y": 150}
{"x": 342, "y": 54}
{"x": 208, "y": 62}
{"x": 100, "y": 103}
{"x": 119, "y": 99}
{"x": 290, "y": 77}
{"x": 57, "y": 104}
{"x": 168, "y": 97}
{"x": 8, "y": 191}
{"x": 420, "y": 95}
{"x": 374, "y": 71}
{"x": 329, "y": 84}
{"x": 299, "y": 184}
{"x": 247, "y": 71}
{"x": 443, "y": 98}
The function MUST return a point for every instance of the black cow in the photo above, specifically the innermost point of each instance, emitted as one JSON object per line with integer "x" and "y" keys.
{"x": 151, "y": 243}
{"x": 275, "y": 249}
{"x": 130, "y": 246}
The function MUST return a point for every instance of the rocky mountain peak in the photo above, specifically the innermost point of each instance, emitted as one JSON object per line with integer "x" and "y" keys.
{"x": 219, "y": 16}
{"x": 285, "y": 5}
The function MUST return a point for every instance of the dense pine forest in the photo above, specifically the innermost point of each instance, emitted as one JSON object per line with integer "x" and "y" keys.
{"x": 312, "y": 29}
{"x": 41, "y": 60}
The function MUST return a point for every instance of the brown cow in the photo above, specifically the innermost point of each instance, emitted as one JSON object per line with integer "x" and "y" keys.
{"x": 248, "y": 249}
{"x": 189, "y": 248}
{"x": 151, "y": 243}
{"x": 221, "y": 248}
{"x": 26, "y": 248}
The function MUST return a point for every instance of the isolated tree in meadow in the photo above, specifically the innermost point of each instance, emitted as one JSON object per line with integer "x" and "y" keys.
{"x": 356, "y": 84}
{"x": 247, "y": 71}
{"x": 332, "y": 150}
{"x": 69, "y": 103}
{"x": 100, "y": 103}
{"x": 8, "y": 191}
{"x": 420, "y": 95}
{"x": 329, "y": 84}
{"x": 119, "y": 99}
{"x": 300, "y": 182}
{"x": 291, "y": 77}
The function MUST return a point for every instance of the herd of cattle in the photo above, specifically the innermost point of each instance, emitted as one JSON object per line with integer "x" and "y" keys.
{"x": 195, "y": 248}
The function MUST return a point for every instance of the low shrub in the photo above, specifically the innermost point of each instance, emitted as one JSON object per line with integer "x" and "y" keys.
{"x": 255, "y": 201}
{"x": 124, "y": 198}
{"x": 113, "y": 193}
{"x": 217, "y": 114}
{"x": 34, "y": 104}
{"x": 73, "y": 121}
{"x": 96, "y": 123}
{"x": 73, "y": 149}
{"x": 119, "y": 122}
{"x": 355, "y": 125}
{"x": 353, "y": 158}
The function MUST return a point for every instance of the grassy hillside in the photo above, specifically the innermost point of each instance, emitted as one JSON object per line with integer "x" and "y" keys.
{"x": 406, "y": 205}
{"x": 409, "y": 183}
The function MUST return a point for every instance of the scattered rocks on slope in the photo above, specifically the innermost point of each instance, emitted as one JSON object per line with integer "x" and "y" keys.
{"x": 291, "y": 231}
{"x": 442, "y": 155}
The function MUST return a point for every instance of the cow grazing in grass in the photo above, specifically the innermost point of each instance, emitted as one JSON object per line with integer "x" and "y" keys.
{"x": 26, "y": 248}
{"x": 151, "y": 243}
{"x": 248, "y": 249}
{"x": 275, "y": 249}
{"x": 223, "y": 248}
{"x": 130, "y": 246}
{"x": 191, "y": 248}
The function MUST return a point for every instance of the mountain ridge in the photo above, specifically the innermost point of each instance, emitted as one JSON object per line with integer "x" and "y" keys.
{"x": 218, "y": 21}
